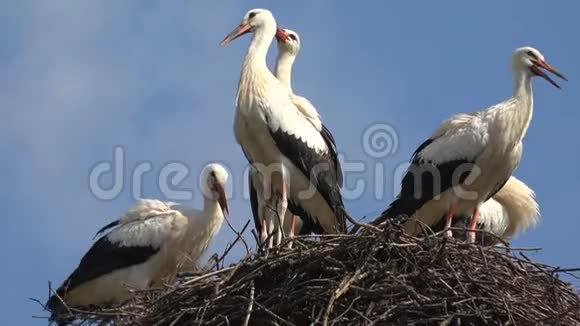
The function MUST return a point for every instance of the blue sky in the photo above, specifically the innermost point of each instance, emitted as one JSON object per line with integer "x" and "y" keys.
{"x": 79, "y": 78}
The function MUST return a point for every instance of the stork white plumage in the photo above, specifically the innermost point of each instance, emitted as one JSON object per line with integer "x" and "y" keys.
{"x": 470, "y": 156}
{"x": 146, "y": 245}
{"x": 512, "y": 210}
{"x": 288, "y": 42}
{"x": 288, "y": 48}
{"x": 294, "y": 159}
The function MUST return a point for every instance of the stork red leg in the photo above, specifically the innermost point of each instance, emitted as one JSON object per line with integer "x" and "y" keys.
{"x": 282, "y": 209}
{"x": 472, "y": 225}
{"x": 271, "y": 227}
{"x": 292, "y": 227}
{"x": 269, "y": 205}
{"x": 448, "y": 221}
{"x": 264, "y": 233}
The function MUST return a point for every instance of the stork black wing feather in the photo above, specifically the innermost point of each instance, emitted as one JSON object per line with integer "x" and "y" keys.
{"x": 106, "y": 227}
{"x": 497, "y": 188}
{"x": 320, "y": 168}
{"x": 425, "y": 180}
{"x": 329, "y": 140}
{"x": 105, "y": 257}
{"x": 254, "y": 204}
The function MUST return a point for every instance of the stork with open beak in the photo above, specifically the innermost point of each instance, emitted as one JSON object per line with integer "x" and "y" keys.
{"x": 294, "y": 160}
{"x": 470, "y": 156}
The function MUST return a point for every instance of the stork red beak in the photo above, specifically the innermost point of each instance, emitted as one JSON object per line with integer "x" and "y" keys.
{"x": 237, "y": 32}
{"x": 222, "y": 200}
{"x": 281, "y": 35}
{"x": 543, "y": 64}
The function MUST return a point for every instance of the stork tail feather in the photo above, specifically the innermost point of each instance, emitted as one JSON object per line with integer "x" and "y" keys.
{"x": 400, "y": 209}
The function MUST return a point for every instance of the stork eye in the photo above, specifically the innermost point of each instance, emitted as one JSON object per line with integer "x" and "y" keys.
{"x": 292, "y": 36}
{"x": 532, "y": 54}
{"x": 212, "y": 173}
{"x": 252, "y": 14}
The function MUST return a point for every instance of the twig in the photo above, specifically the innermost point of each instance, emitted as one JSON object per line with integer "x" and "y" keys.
{"x": 342, "y": 288}
{"x": 269, "y": 312}
{"x": 250, "y": 305}
{"x": 231, "y": 245}
{"x": 238, "y": 234}
{"x": 199, "y": 278}
{"x": 357, "y": 224}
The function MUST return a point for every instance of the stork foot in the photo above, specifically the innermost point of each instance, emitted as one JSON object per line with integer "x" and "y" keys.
{"x": 470, "y": 236}
{"x": 292, "y": 227}
{"x": 448, "y": 233}
{"x": 448, "y": 221}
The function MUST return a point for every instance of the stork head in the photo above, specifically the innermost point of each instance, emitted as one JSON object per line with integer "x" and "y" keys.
{"x": 253, "y": 20}
{"x": 531, "y": 61}
{"x": 213, "y": 185}
{"x": 288, "y": 41}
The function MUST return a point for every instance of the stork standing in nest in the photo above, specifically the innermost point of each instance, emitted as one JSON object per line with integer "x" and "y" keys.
{"x": 288, "y": 49}
{"x": 470, "y": 156}
{"x": 295, "y": 161}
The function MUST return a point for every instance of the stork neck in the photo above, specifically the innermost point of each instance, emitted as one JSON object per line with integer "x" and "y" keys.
{"x": 255, "y": 73}
{"x": 283, "y": 69}
{"x": 522, "y": 84}
{"x": 522, "y": 112}
{"x": 258, "y": 49}
{"x": 211, "y": 207}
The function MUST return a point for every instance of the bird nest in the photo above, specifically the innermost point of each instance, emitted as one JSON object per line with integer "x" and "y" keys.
{"x": 373, "y": 277}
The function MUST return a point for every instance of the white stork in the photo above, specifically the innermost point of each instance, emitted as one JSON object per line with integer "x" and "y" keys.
{"x": 288, "y": 42}
{"x": 512, "y": 210}
{"x": 288, "y": 48}
{"x": 470, "y": 156}
{"x": 147, "y": 245}
{"x": 296, "y": 161}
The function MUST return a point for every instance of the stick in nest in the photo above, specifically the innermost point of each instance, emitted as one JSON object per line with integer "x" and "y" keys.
{"x": 250, "y": 305}
{"x": 357, "y": 224}
{"x": 238, "y": 234}
{"x": 361, "y": 279}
